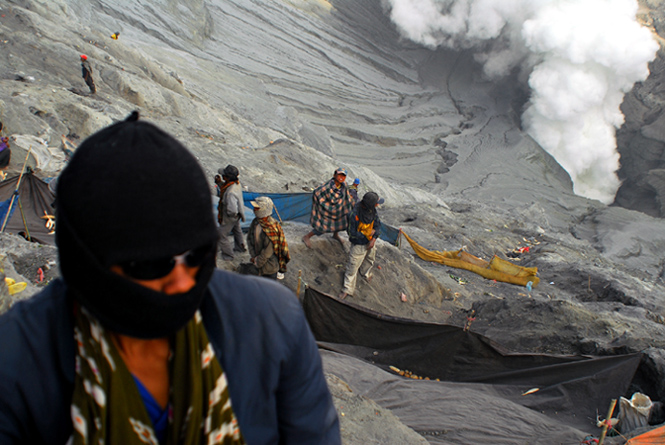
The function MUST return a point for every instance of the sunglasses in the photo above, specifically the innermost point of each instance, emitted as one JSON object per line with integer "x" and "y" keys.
{"x": 153, "y": 269}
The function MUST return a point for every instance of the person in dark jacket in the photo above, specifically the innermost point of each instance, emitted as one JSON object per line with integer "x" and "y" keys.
{"x": 268, "y": 249}
{"x": 230, "y": 212}
{"x": 353, "y": 190}
{"x": 238, "y": 237}
{"x": 143, "y": 340}
{"x": 5, "y": 156}
{"x": 86, "y": 72}
{"x": 364, "y": 228}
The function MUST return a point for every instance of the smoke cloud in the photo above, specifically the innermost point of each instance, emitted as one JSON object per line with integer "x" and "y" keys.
{"x": 582, "y": 56}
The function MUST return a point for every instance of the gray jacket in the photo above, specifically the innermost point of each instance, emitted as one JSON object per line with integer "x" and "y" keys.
{"x": 261, "y": 249}
{"x": 231, "y": 207}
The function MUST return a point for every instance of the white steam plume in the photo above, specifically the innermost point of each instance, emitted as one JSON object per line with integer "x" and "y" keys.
{"x": 583, "y": 56}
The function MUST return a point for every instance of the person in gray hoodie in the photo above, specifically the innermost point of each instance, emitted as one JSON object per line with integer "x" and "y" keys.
{"x": 230, "y": 210}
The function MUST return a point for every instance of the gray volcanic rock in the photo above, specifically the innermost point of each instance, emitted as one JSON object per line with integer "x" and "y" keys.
{"x": 641, "y": 140}
{"x": 288, "y": 90}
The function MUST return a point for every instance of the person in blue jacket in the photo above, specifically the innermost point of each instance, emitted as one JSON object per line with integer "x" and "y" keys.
{"x": 143, "y": 340}
{"x": 364, "y": 228}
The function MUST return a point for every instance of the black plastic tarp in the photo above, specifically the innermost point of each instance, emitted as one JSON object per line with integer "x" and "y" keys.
{"x": 573, "y": 388}
{"x": 30, "y": 207}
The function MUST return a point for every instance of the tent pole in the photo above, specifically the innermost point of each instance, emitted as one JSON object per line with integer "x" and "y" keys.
{"x": 280, "y": 218}
{"x": 18, "y": 184}
{"x": 299, "y": 281}
{"x": 607, "y": 422}
{"x": 25, "y": 224}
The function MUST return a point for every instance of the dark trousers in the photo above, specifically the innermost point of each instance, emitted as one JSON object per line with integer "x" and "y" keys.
{"x": 91, "y": 84}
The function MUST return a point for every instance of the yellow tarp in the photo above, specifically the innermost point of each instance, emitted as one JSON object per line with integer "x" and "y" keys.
{"x": 497, "y": 269}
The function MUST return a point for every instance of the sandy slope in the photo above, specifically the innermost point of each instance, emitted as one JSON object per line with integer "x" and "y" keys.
{"x": 289, "y": 90}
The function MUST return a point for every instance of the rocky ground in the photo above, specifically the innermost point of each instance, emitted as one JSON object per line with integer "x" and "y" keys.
{"x": 419, "y": 127}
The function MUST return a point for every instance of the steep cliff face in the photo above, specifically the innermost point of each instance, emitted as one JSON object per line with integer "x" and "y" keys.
{"x": 641, "y": 140}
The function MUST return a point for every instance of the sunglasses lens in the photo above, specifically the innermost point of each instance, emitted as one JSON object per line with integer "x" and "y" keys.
{"x": 148, "y": 270}
{"x": 153, "y": 269}
{"x": 197, "y": 256}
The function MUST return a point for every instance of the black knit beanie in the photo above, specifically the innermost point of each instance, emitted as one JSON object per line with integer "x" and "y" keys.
{"x": 131, "y": 192}
{"x": 231, "y": 172}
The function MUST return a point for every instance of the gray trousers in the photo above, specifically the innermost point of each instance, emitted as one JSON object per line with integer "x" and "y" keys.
{"x": 360, "y": 259}
{"x": 225, "y": 244}
{"x": 238, "y": 238}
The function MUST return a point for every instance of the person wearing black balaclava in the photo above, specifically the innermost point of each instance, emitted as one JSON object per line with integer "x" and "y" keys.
{"x": 143, "y": 340}
{"x": 363, "y": 230}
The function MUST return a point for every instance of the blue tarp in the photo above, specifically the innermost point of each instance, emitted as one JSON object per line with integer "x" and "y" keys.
{"x": 289, "y": 206}
{"x": 4, "y": 206}
{"x": 298, "y": 206}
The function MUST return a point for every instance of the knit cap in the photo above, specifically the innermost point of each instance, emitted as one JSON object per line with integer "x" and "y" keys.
{"x": 262, "y": 206}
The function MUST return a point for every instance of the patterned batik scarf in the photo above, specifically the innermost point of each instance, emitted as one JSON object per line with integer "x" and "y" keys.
{"x": 108, "y": 409}
{"x": 274, "y": 232}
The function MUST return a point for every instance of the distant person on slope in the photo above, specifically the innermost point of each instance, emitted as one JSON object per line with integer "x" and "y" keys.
{"x": 230, "y": 210}
{"x": 331, "y": 205}
{"x": 5, "y": 156}
{"x": 353, "y": 189}
{"x": 267, "y": 245}
{"x": 143, "y": 340}
{"x": 238, "y": 237}
{"x": 364, "y": 228}
{"x": 86, "y": 72}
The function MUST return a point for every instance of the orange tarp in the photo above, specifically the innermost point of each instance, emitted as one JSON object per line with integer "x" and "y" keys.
{"x": 655, "y": 436}
{"x": 497, "y": 269}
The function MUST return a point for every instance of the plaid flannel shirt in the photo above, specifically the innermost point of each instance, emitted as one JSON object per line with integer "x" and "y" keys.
{"x": 330, "y": 207}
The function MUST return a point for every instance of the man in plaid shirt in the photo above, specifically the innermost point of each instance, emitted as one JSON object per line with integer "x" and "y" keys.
{"x": 331, "y": 205}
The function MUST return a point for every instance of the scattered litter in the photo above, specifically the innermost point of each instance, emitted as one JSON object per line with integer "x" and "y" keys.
{"x": 14, "y": 287}
{"x": 50, "y": 222}
{"x": 602, "y": 422}
{"x": 459, "y": 279}
{"x": 23, "y": 78}
{"x": 470, "y": 319}
{"x": 531, "y": 391}
{"x": 409, "y": 374}
{"x": 528, "y": 285}
{"x": 516, "y": 253}
{"x": 403, "y": 297}
{"x": 40, "y": 275}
